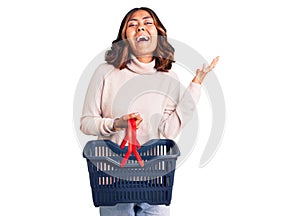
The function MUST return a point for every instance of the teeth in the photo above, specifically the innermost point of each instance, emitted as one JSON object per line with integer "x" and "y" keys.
{"x": 142, "y": 38}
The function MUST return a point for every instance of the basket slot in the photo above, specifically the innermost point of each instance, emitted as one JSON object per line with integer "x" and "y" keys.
{"x": 103, "y": 166}
{"x": 158, "y": 150}
{"x": 102, "y": 181}
{"x": 103, "y": 151}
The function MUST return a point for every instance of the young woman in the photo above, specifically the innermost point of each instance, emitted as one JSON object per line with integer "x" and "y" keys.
{"x": 137, "y": 83}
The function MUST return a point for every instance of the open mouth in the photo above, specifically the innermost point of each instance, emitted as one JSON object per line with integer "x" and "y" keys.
{"x": 142, "y": 38}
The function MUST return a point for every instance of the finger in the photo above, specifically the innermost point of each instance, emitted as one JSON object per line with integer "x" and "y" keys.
{"x": 138, "y": 122}
{"x": 198, "y": 72}
{"x": 130, "y": 116}
{"x": 203, "y": 69}
{"x": 138, "y": 117}
{"x": 210, "y": 67}
{"x": 215, "y": 61}
{"x": 135, "y": 116}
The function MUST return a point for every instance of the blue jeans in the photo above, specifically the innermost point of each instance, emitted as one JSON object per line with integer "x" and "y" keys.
{"x": 132, "y": 209}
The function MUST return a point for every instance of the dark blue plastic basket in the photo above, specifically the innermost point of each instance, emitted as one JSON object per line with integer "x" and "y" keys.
{"x": 112, "y": 184}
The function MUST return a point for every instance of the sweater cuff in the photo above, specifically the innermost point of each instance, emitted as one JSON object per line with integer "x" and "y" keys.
{"x": 108, "y": 126}
{"x": 195, "y": 91}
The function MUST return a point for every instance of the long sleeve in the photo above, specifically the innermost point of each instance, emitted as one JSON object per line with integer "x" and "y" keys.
{"x": 177, "y": 113}
{"x": 92, "y": 122}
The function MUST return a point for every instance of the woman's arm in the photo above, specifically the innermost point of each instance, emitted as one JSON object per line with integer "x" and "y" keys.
{"x": 179, "y": 112}
{"x": 92, "y": 122}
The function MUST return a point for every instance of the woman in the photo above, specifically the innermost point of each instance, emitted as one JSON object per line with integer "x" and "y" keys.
{"x": 141, "y": 56}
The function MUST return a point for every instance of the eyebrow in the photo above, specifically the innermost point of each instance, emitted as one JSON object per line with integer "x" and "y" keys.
{"x": 146, "y": 17}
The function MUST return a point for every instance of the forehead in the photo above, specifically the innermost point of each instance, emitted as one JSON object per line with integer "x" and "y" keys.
{"x": 140, "y": 14}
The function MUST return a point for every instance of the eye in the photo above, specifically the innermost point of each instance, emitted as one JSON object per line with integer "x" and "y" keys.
{"x": 148, "y": 23}
{"x": 132, "y": 24}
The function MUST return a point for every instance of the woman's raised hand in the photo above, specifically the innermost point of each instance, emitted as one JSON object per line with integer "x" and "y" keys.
{"x": 201, "y": 73}
{"x": 122, "y": 122}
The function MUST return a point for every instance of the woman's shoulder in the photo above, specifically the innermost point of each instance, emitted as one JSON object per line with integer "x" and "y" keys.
{"x": 171, "y": 74}
{"x": 104, "y": 69}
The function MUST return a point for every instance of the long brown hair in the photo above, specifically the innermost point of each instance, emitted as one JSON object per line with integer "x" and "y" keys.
{"x": 119, "y": 54}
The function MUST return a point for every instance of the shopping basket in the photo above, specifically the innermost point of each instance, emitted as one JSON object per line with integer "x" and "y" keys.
{"x": 112, "y": 184}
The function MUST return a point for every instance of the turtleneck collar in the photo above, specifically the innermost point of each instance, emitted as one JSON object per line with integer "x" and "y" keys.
{"x": 138, "y": 67}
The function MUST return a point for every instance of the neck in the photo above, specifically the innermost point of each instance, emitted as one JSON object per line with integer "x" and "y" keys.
{"x": 136, "y": 65}
{"x": 145, "y": 59}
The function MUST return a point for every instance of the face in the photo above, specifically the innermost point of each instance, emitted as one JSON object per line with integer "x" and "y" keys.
{"x": 141, "y": 34}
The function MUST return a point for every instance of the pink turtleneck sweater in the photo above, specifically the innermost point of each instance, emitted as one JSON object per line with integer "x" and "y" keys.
{"x": 138, "y": 88}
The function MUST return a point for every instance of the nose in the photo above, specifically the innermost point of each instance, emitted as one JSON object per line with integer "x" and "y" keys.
{"x": 141, "y": 28}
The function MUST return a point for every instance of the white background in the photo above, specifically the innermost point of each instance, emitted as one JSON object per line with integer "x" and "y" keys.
{"x": 45, "y": 47}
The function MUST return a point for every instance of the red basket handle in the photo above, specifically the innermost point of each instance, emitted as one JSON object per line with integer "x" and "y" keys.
{"x": 133, "y": 143}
